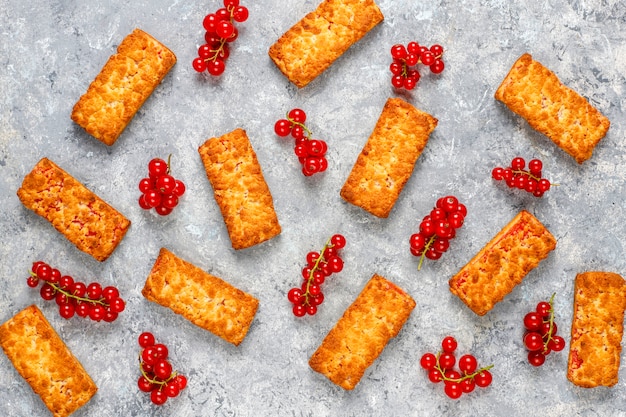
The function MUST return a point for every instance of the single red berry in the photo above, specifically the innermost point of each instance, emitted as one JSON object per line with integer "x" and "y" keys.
{"x": 398, "y": 51}
{"x": 536, "y": 358}
{"x": 160, "y": 351}
{"x": 437, "y": 66}
{"x": 158, "y": 397}
{"x": 94, "y": 291}
{"x": 144, "y": 385}
{"x": 533, "y": 341}
{"x": 240, "y": 14}
{"x": 181, "y": 380}
{"x": 282, "y": 127}
{"x": 437, "y": 50}
{"x": 449, "y": 344}
{"x": 446, "y": 360}
{"x": 428, "y": 361}
{"x": 518, "y": 163}
{"x": 146, "y": 339}
{"x": 483, "y": 379}
{"x": 299, "y": 310}
{"x": 297, "y": 115}
{"x": 468, "y": 385}
{"x": 557, "y": 343}
{"x": 533, "y": 321}
{"x": 544, "y": 309}
{"x": 338, "y": 241}
{"x": 157, "y": 167}
{"x": 468, "y": 364}
{"x": 162, "y": 369}
{"x": 453, "y": 390}
{"x": 535, "y": 166}
{"x": 172, "y": 389}
{"x": 434, "y": 375}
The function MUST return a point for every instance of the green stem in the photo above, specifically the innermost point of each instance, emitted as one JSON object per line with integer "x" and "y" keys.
{"x": 306, "y": 129}
{"x": 155, "y": 381}
{"x": 315, "y": 268}
{"x": 426, "y": 247}
{"x": 545, "y": 344}
{"x": 464, "y": 377}
{"x": 70, "y": 295}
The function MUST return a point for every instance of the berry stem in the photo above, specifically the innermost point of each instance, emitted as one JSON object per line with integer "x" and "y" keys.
{"x": 155, "y": 381}
{"x": 545, "y": 343}
{"x": 426, "y": 247}
{"x": 531, "y": 176}
{"x": 70, "y": 295}
{"x": 315, "y": 268}
{"x": 302, "y": 125}
{"x": 464, "y": 377}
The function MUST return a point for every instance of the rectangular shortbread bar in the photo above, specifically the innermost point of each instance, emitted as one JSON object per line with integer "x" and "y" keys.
{"x": 122, "y": 86}
{"x": 361, "y": 334}
{"x": 503, "y": 263}
{"x": 597, "y": 329}
{"x": 45, "y": 362}
{"x": 240, "y": 189}
{"x": 387, "y": 160}
{"x": 80, "y": 215}
{"x": 535, "y": 93}
{"x": 205, "y": 300}
{"x": 322, "y": 36}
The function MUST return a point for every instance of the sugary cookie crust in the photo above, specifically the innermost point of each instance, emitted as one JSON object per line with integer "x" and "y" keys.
{"x": 45, "y": 362}
{"x": 597, "y": 329}
{"x": 358, "y": 338}
{"x": 387, "y": 160}
{"x": 240, "y": 189}
{"x": 322, "y": 36}
{"x": 503, "y": 263}
{"x": 205, "y": 300}
{"x": 535, "y": 93}
{"x": 122, "y": 86}
{"x": 80, "y": 215}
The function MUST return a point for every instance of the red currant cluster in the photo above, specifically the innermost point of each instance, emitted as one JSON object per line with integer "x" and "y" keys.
{"x": 437, "y": 228}
{"x": 220, "y": 32}
{"x": 529, "y": 180}
{"x": 405, "y": 58}
{"x": 74, "y": 297}
{"x": 320, "y": 265}
{"x": 440, "y": 367}
{"x": 540, "y": 337}
{"x": 160, "y": 190}
{"x": 310, "y": 152}
{"x": 157, "y": 376}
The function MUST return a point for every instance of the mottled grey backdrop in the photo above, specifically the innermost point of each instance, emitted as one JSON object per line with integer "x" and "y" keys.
{"x": 52, "y": 50}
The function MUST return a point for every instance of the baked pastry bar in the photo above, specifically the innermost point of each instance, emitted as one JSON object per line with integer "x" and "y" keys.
{"x": 81, "y": 216}
{"x": 240, "y": 189}
{"x": 535, "y": 93}
{"x": 388, "y": 158}
{"x": 45, "y": 362}
{"x": 597, "y": 329}
{"x": 124, "y": 83}
{"x": 203, "y": 299}
{"x": 361, "y": 334}
{"x": 503, "y": 263}
{"x": 322, "y": 36}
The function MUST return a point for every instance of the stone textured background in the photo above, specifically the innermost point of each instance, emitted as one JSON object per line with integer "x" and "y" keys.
{"x": 52, "y": 50}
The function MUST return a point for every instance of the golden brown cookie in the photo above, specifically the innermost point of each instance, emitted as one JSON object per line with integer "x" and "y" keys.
{"x": 361, "y": 334}
{"x": 503, "y": 263}
{"x": 535, "y": 93}
{"x": 322, "y": 36}
{"x": 45, "y": 362}
{"x": 240, "y": 189}
{"x": 124, "y": 83}
{"x": 81, "y": 216}
{"x": 388, "y": 158}
{"x": 205, "y": 300}
{"x": 597, "y": 329}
